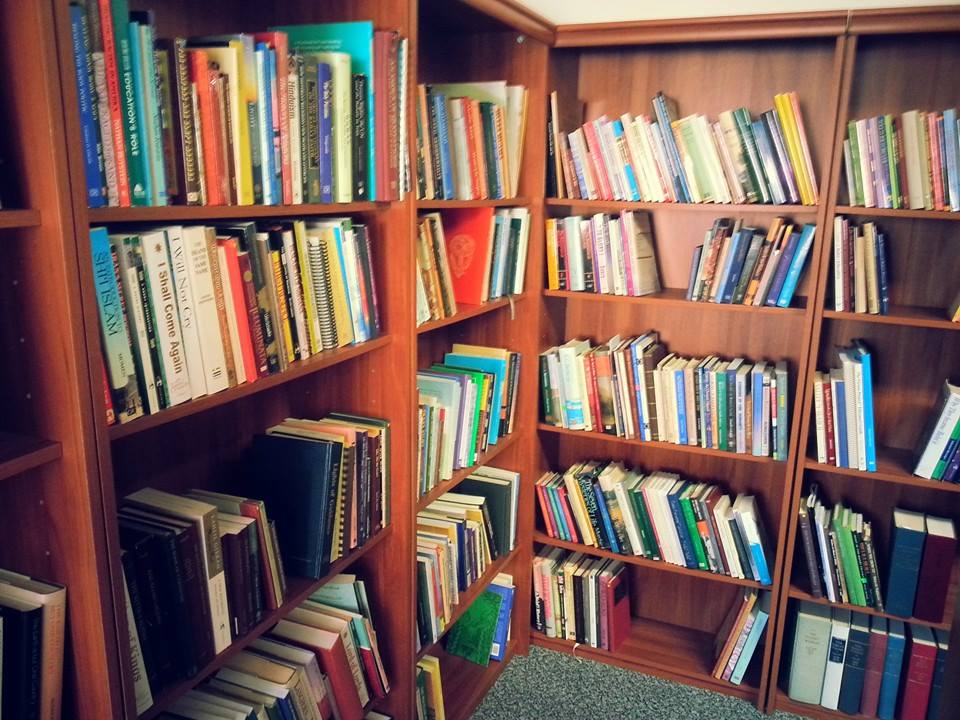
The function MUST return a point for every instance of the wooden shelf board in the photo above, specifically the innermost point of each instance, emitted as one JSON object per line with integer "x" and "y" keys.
{"x": 902, "y": 315}
{"x": 466, "y": 598}
{"x": 886, "y": 212}
{"x": 462, "y": 474}
{"x": 656, "y": 444}
{"x": 798, "y": 594}
{"x": 544, "y": 539}
{"x": 466, "y": 312}
{"x": 298, "y": 590}
{"x": 661, "y": 649}
{"x": 469, "y": 683}
{"x": 19, "y": 453}
{"x": 486, "y": 202}
{"x": 676, "y": 297}
{"x": 296, "y": 370}
{"x": 12, "y": 219}
{"x": 199, "y": 213}
{"x": 717, "y": 208}
{"x": 893, "y": 466}
{"x": 784, "y": 703}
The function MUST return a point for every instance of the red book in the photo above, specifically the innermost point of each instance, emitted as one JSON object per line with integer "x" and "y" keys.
{"x": 562, "y": 256}
{"x": 590, "y": 371}
{"x": 278, "y": 42}
{"x": 107, "y": 399}
{"x": 475, "y": 136}
{"x": 876, "y": 653}
{"x": 473, "y": 160}
{"x": 545, "y": 510}
{"x": 469, "y": 237}
{"x": 596, "y": 156}
{"x": 567, "y": 515}
{"x": 828, "y": 421}
{"x": 618, "y": 610}
{"x": 229, "y": 246}
{"x": 371, "y": 672}
{"x": 113, "y": 100}
{"x": 253, "y": 313}
{"x": 209, "y": 132}
{"x": 332, "y": 657}
{"x": 381, "y": 115}
{"x": 393, "y": 115}
{"x": 916, "y": 688}
{"x": 939, "y": 549}
{"x": 936, "y": 179}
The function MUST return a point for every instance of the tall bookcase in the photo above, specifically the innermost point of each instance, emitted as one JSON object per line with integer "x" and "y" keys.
{"x": 63, "y": 469}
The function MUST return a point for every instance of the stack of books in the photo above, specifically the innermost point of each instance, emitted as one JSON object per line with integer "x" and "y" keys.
{"x": 736, "y": 643}
{"x": 843, "y": 410}
{"x": 429, "y": 696}
{"x": 298, "y": 114}
{"x": 188, "y": 311}
{"x": 690, "y": 160}
{"x": 745, "y": 266}
{"x": 469, "y": 256}
{"x": 335, "y": 493}
{"x": 861, "y": 276}
{"x": 483, "y": 631}
{"x": 936, "y": 456}
{"x": 633, "y": 388}
{"x": 581, "y": 598}
{"x": 866, "y": 665}
{"x": 922, "y": 550}
{"x": 470, "y": 140}
{"x": 658, "y": 516}
{"x": 458, "y": 536}
{"x": 610, "y": 254}
{"x": 466, "y": 404}
{"x": 33, "y": 616}
{"x": 841, "y": 560}
{"x": 200, "y": 571}
{"x": 905, "y": 162}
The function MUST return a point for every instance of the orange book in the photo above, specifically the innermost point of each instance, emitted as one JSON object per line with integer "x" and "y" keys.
{"x": 239, "y": 305}
{"x": 209, "y": 131}
{"x": 469, "y": 237}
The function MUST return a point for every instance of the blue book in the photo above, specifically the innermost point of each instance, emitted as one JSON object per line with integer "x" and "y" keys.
{"x": 767, "y": 158}
{"x": 632, "y": 187}
{"x": 681, "y": 406}
{"x": 942, "y": 638}
{"x": 892, "y": 667}
{"x": 707, "y": 408}
{"x": 499, "y": 646}
{"x": 158, "y": 176}
{"x": 636, "y": 363}
{"x": 783, "y": 266}
{"x": 796, "y": 266}
{"x": 737, "y": 255}
{"x": 276, "y": 166}
{"x": 753, "y": 639}
{"x": 876, "y": 126}
{"x": 855, "y": 664}
{"x": 355, "y": 39}
{"x": 443, "y": 133}
{"x": 952, "y": 147}
{"x": 673, "y": 499}
{"x": 325, "y": 131}
{"x": 694, "y": 267}
{"x": 721, "y": 283}
{"x": 605, "y": 517}
{"x": 760, "y": 560}
{"x": 906, "y": 551}
{"x": 882, "y": 274}
{"x": 265, "y": 135}
{"x": 490, "y": 365}
{"x": 140, "y": 102}
{"x": 757, "y": 394}
{"x": 665, "y": 126}
{"x": 870, "y": 441}
{"x": 561, "y": 519}
{"x": 89, "y": 126}
{"x": 840, "y": 418}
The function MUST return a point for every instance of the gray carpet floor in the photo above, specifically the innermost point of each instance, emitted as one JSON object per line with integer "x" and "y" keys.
{"x": 557, "y": 686}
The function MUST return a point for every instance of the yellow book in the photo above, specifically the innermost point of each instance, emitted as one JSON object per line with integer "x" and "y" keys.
{"x": 580, "y": 513}
{"x": 306, "y": 280}
{"x": 553, "y": 265}
{"x": 791, "y": 136}
{"x": 282, "y": 308}
{"x": 341, "y": 308}
{"x": 431, "y": 666}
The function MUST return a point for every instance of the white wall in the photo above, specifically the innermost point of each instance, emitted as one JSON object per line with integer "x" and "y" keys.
{"x": 591, "y": 11}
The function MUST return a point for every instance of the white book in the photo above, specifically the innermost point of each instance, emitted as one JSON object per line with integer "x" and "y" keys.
{"x": 869, "y": 199}
{"x": 859, "y": 273}
{"x": 297, "y": 656}
{"x": 571, "y": 386}
{"x": 207, "y": 319}
{"x": 293, "y": 115}
{"x": 839, "y": 266}
{"x": 859, "y": 416}
{"x": 819, "y": 416}
{"x": 138, "y": 669}
{"x": 524, "y": 216}
{"x": 553, "y": 369}
{"x": 940, "y": 435}
{"x": 308, "y": 286}
{"x": 742, "y": 385}
{"x": 193, "y": 708}
{"x": 833, "y": 673}
{"x": 188, "y": 316}
{"x": 720, "y": 515}
{"x": 571, "y": 231}
{"x": 231, "y": 313}
{"x": 460, "y": 150}
{"x": 156, "y": 258}
{"x": 821, "y": 522}
{"x": 613, "y": 477}
{"x": 611, "y": 157}
{"x": 618, "y": 257}
{"x": 912, "y": 151}
{"x": 923, "y": 141}
{"x": 298, "y": 309}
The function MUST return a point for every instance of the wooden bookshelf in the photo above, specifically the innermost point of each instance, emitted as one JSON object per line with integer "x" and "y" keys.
{"x": 714, "y": 209}
{"x": 21, "y": 453}
{"x": 466, "y": 312}
{"x": 204, "y": 213}
{"x": 454, "y": 204}
{"x": 677, "y": 297}
{"x": 14, "y": 219}
{"x": 445, "y": 486}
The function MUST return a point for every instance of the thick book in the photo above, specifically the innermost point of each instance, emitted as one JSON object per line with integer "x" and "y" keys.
{"x": 468, "y": 234}
{"x": 873, "y": 675}
{"x": 811, "y": 643}
{"x": 920, "y": 663}
{"x": 933, "y": 582}
{"x": 906, "y": 551}
{"x": 892, "y": 669}
{"x": 833, "y": 671}
{"x": 855, "y": 664}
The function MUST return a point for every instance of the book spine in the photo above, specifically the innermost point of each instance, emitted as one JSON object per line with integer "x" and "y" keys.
{"x": 89, "y": 124}
{"x": 116, "y": 98}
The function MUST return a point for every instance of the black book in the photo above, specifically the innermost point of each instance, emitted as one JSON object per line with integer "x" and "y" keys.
{"x": 742, "y": 552}
{"x": 578, "y": 609}
{"x": 139, "y": 619}
{"x": 367, "y": 279}
{"x": 361, "y": 171}
{"x": 22, "y": 626}
{"x": 236, "y": 582}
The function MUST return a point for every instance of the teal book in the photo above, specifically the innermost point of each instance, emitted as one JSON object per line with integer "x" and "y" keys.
{"x": 136, "y": 167}
{"x": 355, "y": 39}
{"x": 489, "y": 365}
{"x": 753, "y": 639}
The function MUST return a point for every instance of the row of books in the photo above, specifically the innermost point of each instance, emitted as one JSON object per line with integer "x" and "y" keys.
{"x": 458, "y": 536}
{"x": 658, "y": 516}
{"x": 188, "y": 311}
{"x": 322, "y": 661}
{"x": 429, "y": 695}
{"x": 634, "y": 388}
{"x": 739, "y": 636}
{"x": 908, "y": 161}
{"x": 296, "y": 114}
{"x": 470, "y": 140}
{"x": 745, "y": 266}
{"x": 609, "y": 254}
{"x": 691, "y": 159}
{"x": 861, "y": 275}
{"x": 483, "y": 631}
{"x": 581, "y": 598}
{"x": 469, "y": 256}
{"x": 466, "y": 404}
{"x": 335, "y": 489}
{"x": 937, "y": 453}
{"x": 843, "y": 410}
{"x": 865, "y": 665}
{"x": 33, "y": 617}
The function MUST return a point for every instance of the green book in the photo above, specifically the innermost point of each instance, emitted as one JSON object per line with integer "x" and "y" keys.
{"x": 941, "y": 466}
{"x": 136, "y": 166}
{"x": 856, "y": 192}
{"x": 721, "y": 441}
{"x": 892, "y": 160}
{"x": 643, "y": 521}
{"x": 691, "y": 521}
{"x": 754, "y": 165}
{"x": 848, "y": 556}
{"x": 472, "y": 636}
{"x": 475, "y": 377}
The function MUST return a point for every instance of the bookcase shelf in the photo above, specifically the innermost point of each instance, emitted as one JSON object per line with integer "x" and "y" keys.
{"x": 200, "y": 213}
{"x": 676, "y": 297}
{"x": 798, "y": 594}
{"x": 893, "y": 466}
{"x": 20, "y": 453}
{"x": 718, "y": 209}
{"x": 903, "y": 315}
{"x": 298, "y": 590}
{"x": 816, "y": 712}
{"x": 13, "y": 219}
{"x": 467, "y": 312}
{"x": 459, "y": 476}
{"x": 486, "y": 202}
{"x": 544, "y": 539}
{"x": 857, "y": 211}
